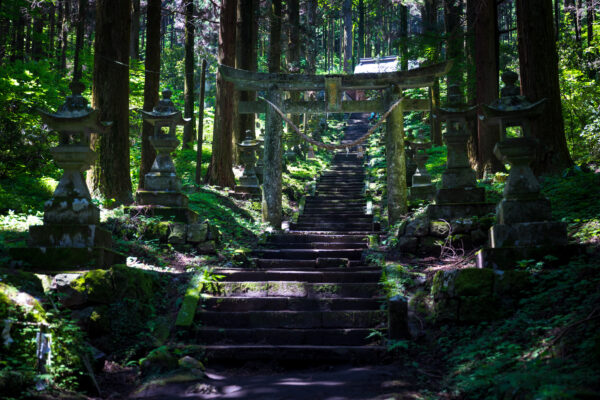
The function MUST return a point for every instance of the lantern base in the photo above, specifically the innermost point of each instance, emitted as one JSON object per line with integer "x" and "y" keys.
{"x": 460, "y": 195}
{"x": 453, "y": 211}
{"x": 161, "y": 198}
{"x": 175, "y": 214}
{"x": 245, "y": 191}
{"x": 510, "y": 258}
{"x": 62, "y": 259}
{"x": 421, "y": 192}
{"x": 527, "y": 234}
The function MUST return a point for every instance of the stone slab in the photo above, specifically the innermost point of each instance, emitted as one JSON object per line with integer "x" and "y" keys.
{"x": 506, "y": 258}
{"x": 459, "y": 210}
{"x": 421, "y": 192}
{"x": 460, "y": 195}
{"x": 51, "y": 235}
{"x": 528, "y": 234}
{"x": 175, "y": 214}
{"x": 61, "y": 259}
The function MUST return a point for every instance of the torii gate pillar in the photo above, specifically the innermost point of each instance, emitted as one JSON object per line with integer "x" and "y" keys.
{"x": 271, "y": 196}
{"x": 395, "y": 159}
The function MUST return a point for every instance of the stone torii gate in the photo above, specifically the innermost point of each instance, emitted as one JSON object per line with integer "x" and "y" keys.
{"x": 391, "y": 83}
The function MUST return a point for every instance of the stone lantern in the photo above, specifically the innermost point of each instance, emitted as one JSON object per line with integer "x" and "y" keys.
{"x": 421, "y": 188}
{"x": 459, "y": 183}
{"x": 524, "y": 228}
{"x": 161, "y": 195}
{"x": 71, "y": 236}
{"x": 260, "y": 164}
{"x": 248, "y": 181}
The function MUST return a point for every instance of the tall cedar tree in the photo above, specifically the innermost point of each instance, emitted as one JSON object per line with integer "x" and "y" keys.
{"x": 293, "y": 58}
{"x": 539, "y": 79}
{"x": 151, "y": 83}
{"x": 219, "y": 169}
{"x": 110, "y": 94}
{"x": 455, "y": 47}
{"x": 430, "y": 27}
{"x": 188, "y": 87}
{"x": 486, "y": 73}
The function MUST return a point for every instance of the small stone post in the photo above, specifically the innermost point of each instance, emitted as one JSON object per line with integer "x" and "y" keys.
{"x": 260, "y": 164}
{"x": 395, "y": 158}
{"x": 271, "y": 189}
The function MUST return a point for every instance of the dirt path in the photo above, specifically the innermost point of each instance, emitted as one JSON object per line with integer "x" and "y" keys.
{"x": 336, "y": 383}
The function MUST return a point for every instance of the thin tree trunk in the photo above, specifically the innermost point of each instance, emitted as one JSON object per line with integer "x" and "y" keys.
{"x": 403, "y": 37}
{"x": 219, "y": 170}
{"x": 83, "y": 4}
{"x": 151, "y": 83}
{"x": 188, "y": 88}
{"x": 64, "y": 41}
{"x": 311, "y": 45}
{"x": 275, "y": 37}
{"x": 37, "y": 46}
{"x": 557, "y": 19}
{"x": 51, "y": 30}
{"x": 347, "y": 12}
{"x": 361, "y": 29}
{"x": 294, "y": 63}
{"x": 455, "y": 44}
{"x": 134, "y": 51}
{"x": 486, "y": 72}
{"x": 473, "y": 143}
{"x": 110, "y": 94}
{"x": 200, "y": 124}
{"x": 590, "y": 21}
{"x": 539, "y": 79}
{"x": 59, "y": 32}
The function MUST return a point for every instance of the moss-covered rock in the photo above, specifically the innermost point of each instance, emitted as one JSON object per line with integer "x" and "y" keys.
{"x": 158, "y": 361}
{"x": 96, "y": 285}
{"x": 439, "y": 228}
{"x": 25, "y": 305}
{"x": 473, "y": 282}
{"x": 24, "y": 281}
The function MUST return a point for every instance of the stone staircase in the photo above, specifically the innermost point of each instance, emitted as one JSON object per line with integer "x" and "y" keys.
{"x": 311, "y": 298}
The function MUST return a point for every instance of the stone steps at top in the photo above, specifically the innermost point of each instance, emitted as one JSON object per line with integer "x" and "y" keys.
{"x": 310, "y": 297}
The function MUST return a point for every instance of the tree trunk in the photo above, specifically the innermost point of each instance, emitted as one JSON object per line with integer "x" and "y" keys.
{"x": 134, "y": 51}
{"x": 455, "y": 44}
{"x": 188, "y": 88}
{"x": 59, "y": 32}
{"x": 486, "y": 72}
{"x": 110, "y": 94}
{"x": 347, "y": 12}
{"x": 361, "y": 29}
{"x": 539, "y": 79}
{"x": 311, "y": 45}
{"x": 151, "y": 83}
{"x": 37, "y": 46}
{"x": 83, "y": 4}
{"x": 557, "y": 19}
{"x": 219, "y": 170}
{"x": 64, "y": 41}
{"x": 473, "y": 143}
{"x": 403, "y": 37}
{"x": 430, "y": 29}
{"x": 246, "y": 58}
{"x": 19, "y": 50}
{"x": 200, "y": 124}
{"x": 51, "y": 30}
{"x": 294, "y": 64}
{"x": 275, "y": 37}
{"x": 590, "y": 21}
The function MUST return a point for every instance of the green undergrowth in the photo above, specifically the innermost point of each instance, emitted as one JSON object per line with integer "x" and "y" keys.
{"x": 548, "y": 349}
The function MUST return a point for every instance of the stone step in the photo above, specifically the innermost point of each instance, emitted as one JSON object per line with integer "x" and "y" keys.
{"x": 334, "y": 226}
{"x": 311, "y": 355}
{"x": 298, "y": 276}
{"x": 292, "y": 319}
{"x": 332, "y": 218}
{"x": 297, "y": 289}
{"x": 286, "y": 337}
{"x": 304, "y": 237}
{"x": 337, "y": 200}
{"x": 309, "y": 254}
{"x": 320, "y": 245}
{"x": 215, "y": 303}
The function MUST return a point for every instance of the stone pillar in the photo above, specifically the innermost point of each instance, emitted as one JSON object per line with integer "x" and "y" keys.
{"x": 260, "y": 164}
{"x": 271, "y": 188}
{"x": 422, "y": 188}
{"x": 248, "y": 181}
{"x": 395, "y": 159}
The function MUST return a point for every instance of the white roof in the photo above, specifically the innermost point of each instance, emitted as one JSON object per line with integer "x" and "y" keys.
{"x": 381, "y": 64}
